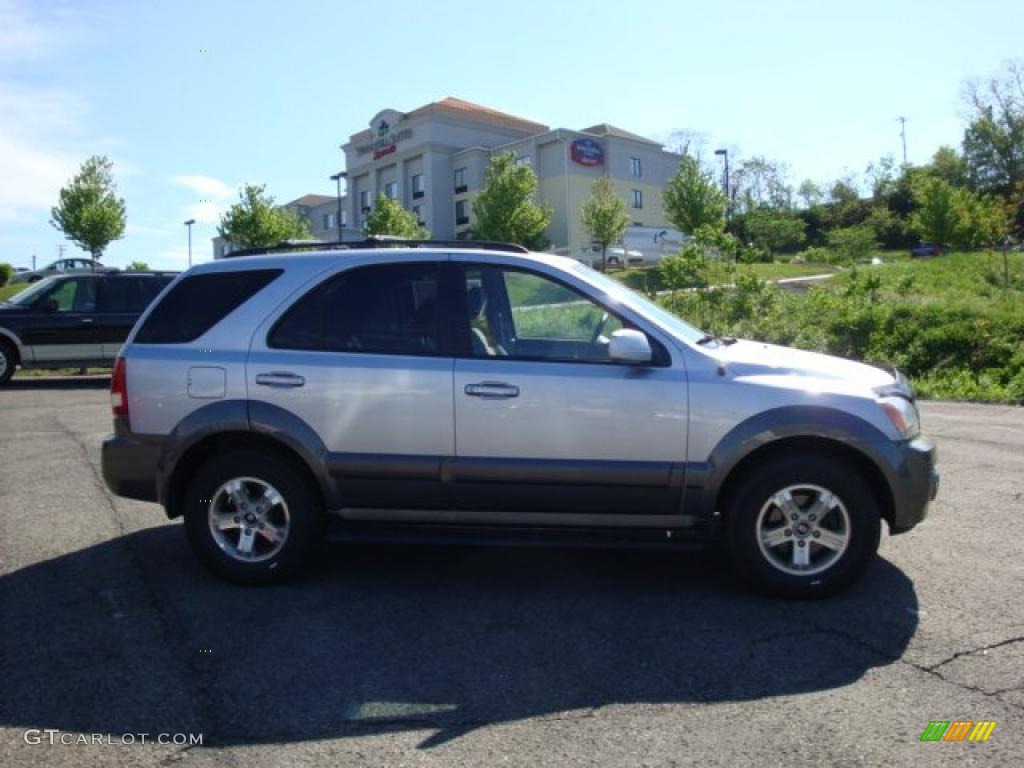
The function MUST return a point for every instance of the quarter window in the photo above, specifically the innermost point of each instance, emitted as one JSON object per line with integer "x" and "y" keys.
{"x": 388, "y": 309}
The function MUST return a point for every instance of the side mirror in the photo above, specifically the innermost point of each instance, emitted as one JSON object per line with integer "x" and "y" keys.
{"x": 631, "y": 347}
{"x": 49, "y": 306}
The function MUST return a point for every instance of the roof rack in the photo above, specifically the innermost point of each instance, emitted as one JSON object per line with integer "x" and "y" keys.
{"x": 380, "y": 241}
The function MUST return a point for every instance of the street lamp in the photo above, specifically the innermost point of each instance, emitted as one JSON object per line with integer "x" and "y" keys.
{"x": 189, "y": 224}
{"x": 338, "y": 177}
{"x": 724, "y": 153}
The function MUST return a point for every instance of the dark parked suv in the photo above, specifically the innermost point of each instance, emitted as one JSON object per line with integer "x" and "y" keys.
{"x": 73, "y": 320}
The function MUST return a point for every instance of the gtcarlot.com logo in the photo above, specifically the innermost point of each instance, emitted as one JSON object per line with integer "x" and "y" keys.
{"x": 54, "y": 736}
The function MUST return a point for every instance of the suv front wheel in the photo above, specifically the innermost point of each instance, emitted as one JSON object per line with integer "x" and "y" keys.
{"x": 251, "y": 518}
{"x": 803, "y": 526}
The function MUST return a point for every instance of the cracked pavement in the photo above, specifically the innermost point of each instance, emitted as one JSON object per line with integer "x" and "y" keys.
{"x": 389, "y": 656}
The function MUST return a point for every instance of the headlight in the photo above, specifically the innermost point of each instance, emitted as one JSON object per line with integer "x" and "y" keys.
{"x": 903, "y": 414}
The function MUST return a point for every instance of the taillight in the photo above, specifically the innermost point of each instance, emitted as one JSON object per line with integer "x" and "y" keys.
{"x": 119, "y": 388}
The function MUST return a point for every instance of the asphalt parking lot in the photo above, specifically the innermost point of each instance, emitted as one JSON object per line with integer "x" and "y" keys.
{"x": 392, "y": 656}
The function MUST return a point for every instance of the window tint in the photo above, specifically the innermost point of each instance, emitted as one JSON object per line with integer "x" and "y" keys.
{"x": 388, "y": 309}
{"x": 199, "y": 302}
{"x": 121, "y": 294}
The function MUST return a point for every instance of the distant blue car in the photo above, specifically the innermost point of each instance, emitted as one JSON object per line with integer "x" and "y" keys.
{"x": 926, "y": 249}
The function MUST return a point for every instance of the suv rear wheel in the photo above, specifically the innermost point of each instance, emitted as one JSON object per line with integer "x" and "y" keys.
{"x": 803, "y": 526}
{"x": 251, "y": 518}
{"x": 8, "y": 361}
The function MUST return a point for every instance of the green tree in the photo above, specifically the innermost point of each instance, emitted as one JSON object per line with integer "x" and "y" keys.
{"x": 994, "y": 139}
{"x": 811, "y": 193}
{"x": 504, "y": 210}
{"x": 255, "y": 222}
{"x": 693, "y": 199}
{"x": 941, "y": 217}
{"x": 853, "y": 243}
{"x": 388, "y": 217}
{"x": 604, "y": 216}
{"x": 949, "y": 165}
{"x": 137, "y": 266}
{"x": 775, "y": 230}
{"x": 90, "y": 214}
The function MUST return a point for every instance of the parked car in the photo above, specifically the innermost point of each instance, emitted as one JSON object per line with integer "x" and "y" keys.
{"x": 926, "y": 249}
{"x": 448, "y": 389}
{"x": 73, "y": 321}
{"x": 59, "y": 267}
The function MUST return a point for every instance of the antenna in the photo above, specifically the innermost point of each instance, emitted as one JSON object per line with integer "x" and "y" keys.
{"x": 903, "y": 137}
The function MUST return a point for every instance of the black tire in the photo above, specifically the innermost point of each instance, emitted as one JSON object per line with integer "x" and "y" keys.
{"x": 272, "y": 563}
{"x": 756, "y": 525}
{"x": 8, "y": 361}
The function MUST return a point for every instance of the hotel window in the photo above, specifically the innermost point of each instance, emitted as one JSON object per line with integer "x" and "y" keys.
{"x": 328, "y": 221}
{"x": 524, "y": 160}
{"x": 364, "y": 200}
{"x": 460, "y": 180}
{"x": 638, "y": 198}
{"x": 344, "y": 217}
{"x": 417, "y": 186}
{"x": 391, "y": 190}
{"x": 461, "y": 213}
{"x": 634, "y": 167}
{"x": 416, "y": 211}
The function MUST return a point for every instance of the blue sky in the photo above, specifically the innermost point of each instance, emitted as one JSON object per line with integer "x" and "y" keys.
{"x": 815, "y": 85}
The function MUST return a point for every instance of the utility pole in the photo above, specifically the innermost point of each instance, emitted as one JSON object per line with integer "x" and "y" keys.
{"x": 60, "y": 251}
{"x": 903, "y": 138}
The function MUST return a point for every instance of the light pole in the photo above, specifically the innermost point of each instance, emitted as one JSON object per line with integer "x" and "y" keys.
{"x": 189, "y": 224}
{"x": 724, "y": 153}
{"x": 338, "y": 177}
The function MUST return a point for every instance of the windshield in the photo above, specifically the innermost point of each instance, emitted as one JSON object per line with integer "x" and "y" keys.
{"x": 630, "y": 297}
{"x": 28, "y": 296}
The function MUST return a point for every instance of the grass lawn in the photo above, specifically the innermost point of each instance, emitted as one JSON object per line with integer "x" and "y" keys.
{"x": 648, "y": 279}
{"x": 6, "y": 291}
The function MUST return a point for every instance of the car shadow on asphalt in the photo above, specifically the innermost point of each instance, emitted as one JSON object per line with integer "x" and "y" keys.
{"x": 395, "y": 638}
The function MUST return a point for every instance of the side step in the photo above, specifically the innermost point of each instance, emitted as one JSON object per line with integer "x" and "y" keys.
{"x": 481, "y": 535}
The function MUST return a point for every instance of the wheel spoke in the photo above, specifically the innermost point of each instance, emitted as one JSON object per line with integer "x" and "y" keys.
{"x": 830, "y": 539}
{"x": 784, "y": 501}
{"x": 225, "y": 521}
{"x": 245, "y": 541}
{"x": 268, "y": 500}
{"x": 822, "y": 505}
{"x": 236, "y": 491}
{"x": 272, "y": 533}
{"x": 775, "y": 536}
{"x": 801, "y": 556}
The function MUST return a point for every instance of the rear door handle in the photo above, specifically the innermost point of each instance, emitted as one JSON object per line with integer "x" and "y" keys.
{"x": 280, "y": 379}
{"x": 492, "y": 390}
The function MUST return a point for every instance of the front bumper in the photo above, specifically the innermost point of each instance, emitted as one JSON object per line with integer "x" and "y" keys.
{"x": 130, "y": 467}
{"x": 916, "y": 486}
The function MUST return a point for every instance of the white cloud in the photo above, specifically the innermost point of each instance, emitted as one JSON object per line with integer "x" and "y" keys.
{"x": 144, "y": 231}
{"x": 204, "y": 186}
{"x": 34, "y": 123}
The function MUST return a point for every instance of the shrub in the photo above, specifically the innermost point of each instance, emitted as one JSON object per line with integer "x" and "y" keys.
{"x": 6, "y": 273}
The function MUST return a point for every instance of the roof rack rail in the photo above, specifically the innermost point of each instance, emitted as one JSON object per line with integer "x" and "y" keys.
{"x": 379, "y": 241}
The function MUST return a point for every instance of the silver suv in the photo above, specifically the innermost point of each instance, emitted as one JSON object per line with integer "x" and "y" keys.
{"x": 483, "y": 392}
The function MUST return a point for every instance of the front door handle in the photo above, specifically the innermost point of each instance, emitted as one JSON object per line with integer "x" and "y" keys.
{"x": 280, "y": 379}
{"x": 492, "y": 390}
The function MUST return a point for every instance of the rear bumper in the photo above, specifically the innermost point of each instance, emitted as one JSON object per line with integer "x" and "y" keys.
{"x": 130, "y": 467}
{"x": 917, "y": 484}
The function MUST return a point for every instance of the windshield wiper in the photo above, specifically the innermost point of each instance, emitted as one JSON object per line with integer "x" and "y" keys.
{"x": 707, "y": 338}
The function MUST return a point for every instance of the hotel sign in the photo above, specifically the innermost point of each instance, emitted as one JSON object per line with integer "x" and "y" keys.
{"x": 385, "y": 140}
{"x": 587, "y": 152}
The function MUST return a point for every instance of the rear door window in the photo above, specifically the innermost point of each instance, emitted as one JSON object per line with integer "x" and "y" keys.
{"x": 199, "y": 302}
{"x": 388, "y": 309}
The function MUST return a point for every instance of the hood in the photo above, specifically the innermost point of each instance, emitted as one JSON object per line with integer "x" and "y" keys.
{"x": 752, "y": 358}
